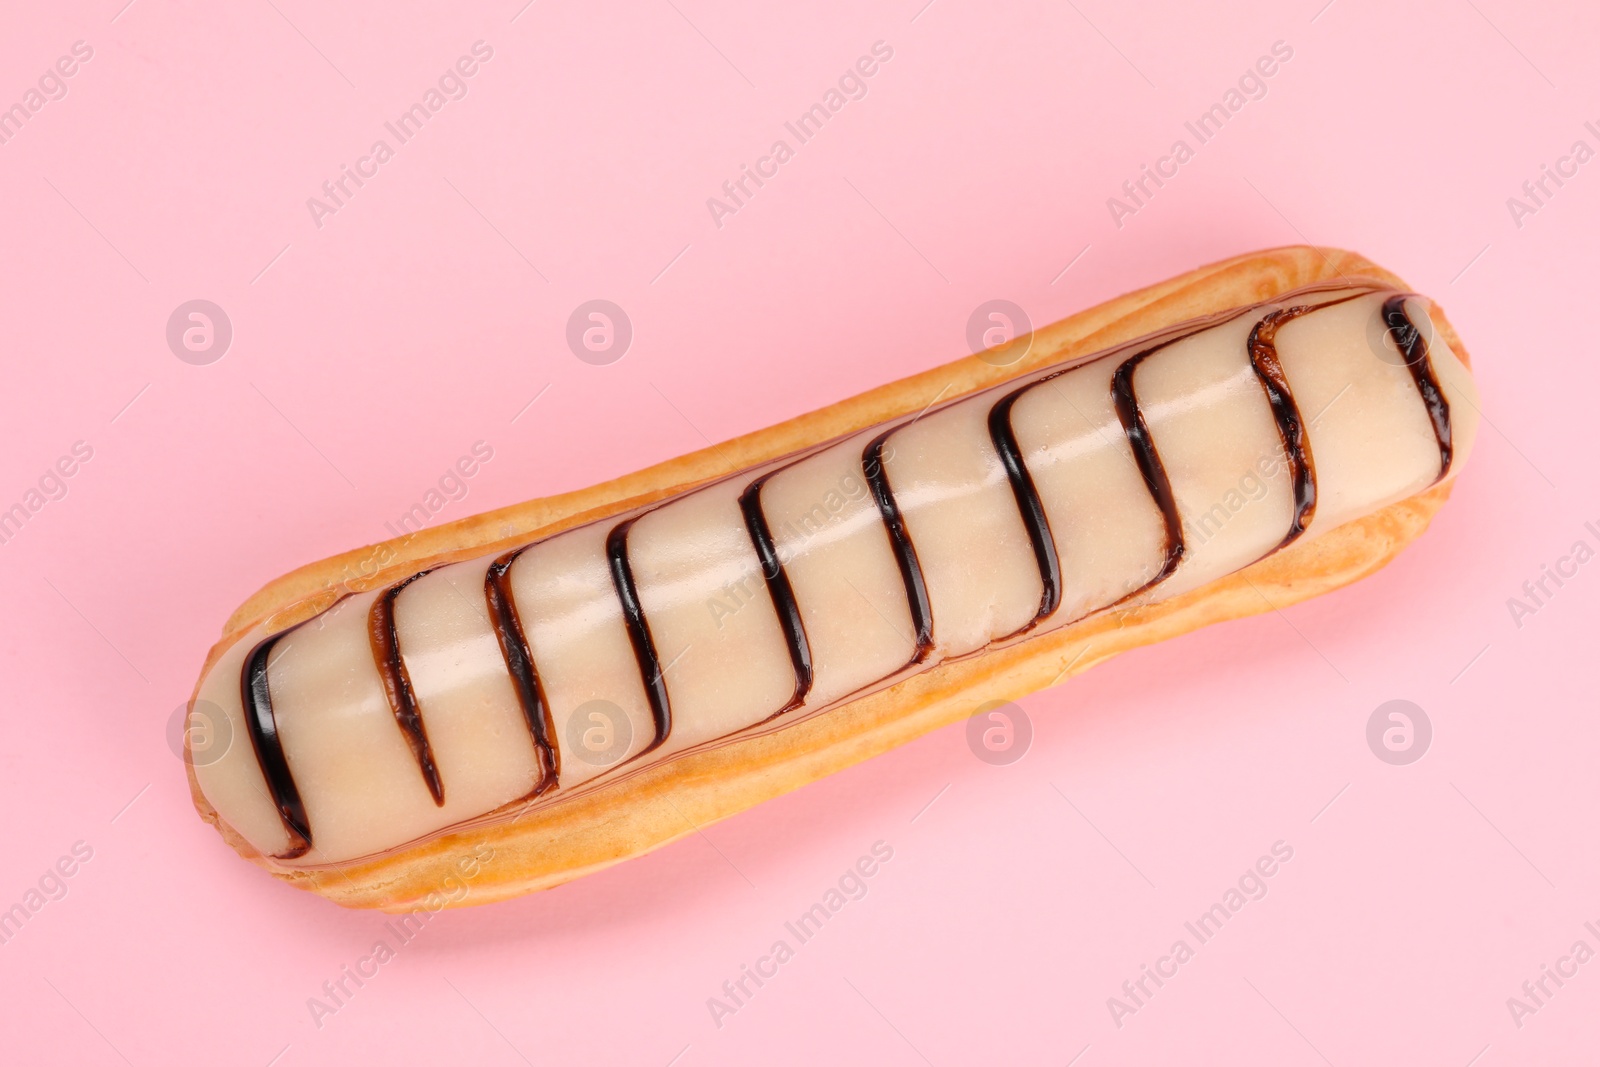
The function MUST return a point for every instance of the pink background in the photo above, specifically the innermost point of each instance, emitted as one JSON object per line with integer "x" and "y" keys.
{"x": 369, "y": 353}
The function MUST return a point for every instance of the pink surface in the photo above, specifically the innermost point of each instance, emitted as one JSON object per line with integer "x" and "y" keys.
{"x": 426, "y": 312}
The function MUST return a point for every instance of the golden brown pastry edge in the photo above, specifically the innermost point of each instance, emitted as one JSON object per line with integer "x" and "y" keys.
{"x": 553, "y": 843}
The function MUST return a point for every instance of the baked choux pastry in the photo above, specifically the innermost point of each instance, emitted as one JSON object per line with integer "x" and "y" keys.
{"x": 569, "y": 682}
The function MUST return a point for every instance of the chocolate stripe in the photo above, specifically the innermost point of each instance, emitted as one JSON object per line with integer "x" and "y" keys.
{"x": 644, "y": 646}
{"x": 905, "y": 554}
{"x": 507, "y": 625}
{"x": 262, "y": 725}
{"x": 1263, "y": 350}
{"x": 1292, "y": 431}
{"x": 1414, "y": 349}
{"x": 782, "y": 593}
{"x": 1149, "y": 462}
{"x": 397, "y": 683}
{"x": 1004, "y": 438}
{"x": 1266, "y": 364}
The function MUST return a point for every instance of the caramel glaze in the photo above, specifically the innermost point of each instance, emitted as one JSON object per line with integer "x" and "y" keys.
{"x": 507, "y": 625}
{"x": 519, "y": 659}
{"x": 905, "y": 553}
{"x": 644, "y": 646}
{"x": 782, "y": 592}
{"x": 1414, "y": 349}
{"x": 397, "y": 683}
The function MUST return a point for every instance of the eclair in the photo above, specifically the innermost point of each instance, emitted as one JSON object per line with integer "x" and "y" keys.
{"x": 566, "y": 683}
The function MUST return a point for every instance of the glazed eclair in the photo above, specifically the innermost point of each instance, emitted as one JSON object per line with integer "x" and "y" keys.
{"x": 578, "y": 687}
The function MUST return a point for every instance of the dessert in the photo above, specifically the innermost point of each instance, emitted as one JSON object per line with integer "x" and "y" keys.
{"x": 576, "y": 680}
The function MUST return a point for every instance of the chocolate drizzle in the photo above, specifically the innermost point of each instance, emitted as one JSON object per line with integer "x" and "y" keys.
{"x": 782, "y": 593}
{"x": 1263, "y": 350}
{"x": 644, "y": 646}
{"x": 905, "y": 553}
{"x": 1292, "y": 430}
{"x": 1149, "y": 462}
{"x": 397, "y": 683}
{"x": 263, "y": 728}
{"x": 507, "y": 625}
{"x": 1004, "y": 438}
{"x": 1414, "y": 349}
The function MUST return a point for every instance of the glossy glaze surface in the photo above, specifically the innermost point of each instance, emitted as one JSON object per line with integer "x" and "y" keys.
{"x": 1134, "y": 475}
